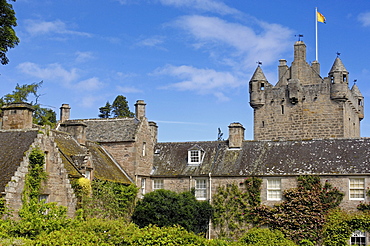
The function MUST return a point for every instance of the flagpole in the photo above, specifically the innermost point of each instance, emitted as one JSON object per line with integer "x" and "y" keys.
{"x": 317, "y": 49}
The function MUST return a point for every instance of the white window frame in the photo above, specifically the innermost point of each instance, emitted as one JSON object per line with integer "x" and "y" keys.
{"x": 158, "y": 184}
{"x": 356, "y": 189}
{"x": 356, "y": 235}
{"x": 274, "y": 189}
{"x": 201, "y": 189}
{"x": 194, "y": 156}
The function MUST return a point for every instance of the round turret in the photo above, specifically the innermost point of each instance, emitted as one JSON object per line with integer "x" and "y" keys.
{"x": 339, "y": 81}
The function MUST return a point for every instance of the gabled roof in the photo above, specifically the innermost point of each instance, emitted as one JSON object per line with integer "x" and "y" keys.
{"x": 13, "y": 145}
{"x": 105, "y": 168}
{"x": 111, "y": 130}
{"x": 330, "y": 156}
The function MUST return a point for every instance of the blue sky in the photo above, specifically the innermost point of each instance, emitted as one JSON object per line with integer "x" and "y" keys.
{"x": 190, "y": 60}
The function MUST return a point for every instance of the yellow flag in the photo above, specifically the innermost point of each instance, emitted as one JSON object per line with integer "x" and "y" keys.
{"x": 321, "y": 18}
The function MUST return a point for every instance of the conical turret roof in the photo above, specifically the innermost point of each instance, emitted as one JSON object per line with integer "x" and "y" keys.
{"x": 356, "y": 91}
{"x": 338, "y": 66}
{"x": 258, "y": 75}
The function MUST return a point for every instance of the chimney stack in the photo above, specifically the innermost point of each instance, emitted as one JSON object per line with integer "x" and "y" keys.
{"x": 140, "y": 109}
{"x": 17, "y": 116}
{"x": 236, "y": 135}
{"x": 64, "y": 112}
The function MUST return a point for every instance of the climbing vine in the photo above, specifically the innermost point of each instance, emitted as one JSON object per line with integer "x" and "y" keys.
{"x": 105, "y": 199}
{"x": 302, "y": 213}
{"x": 232, "y": 207}
{"x": 35, "y": 176}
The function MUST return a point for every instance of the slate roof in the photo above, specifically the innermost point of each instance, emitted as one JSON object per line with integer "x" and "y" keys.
{"x": 111, "y": 130}
{"x": 104, "y": 166}
{"x": 330, "y": 156}
{"x": 338, "y": 66}
{"x": 13, "y": 145}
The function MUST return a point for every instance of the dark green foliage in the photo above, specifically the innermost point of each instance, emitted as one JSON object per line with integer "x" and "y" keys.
{"x": 34, "y": 177}
{"x": 120, "y": 107}
{"x": 232, "y": 207}
{"x": 302, "y": 213}
{"x": 8, "y": 38}
{"x": 105, "y": 111}
{"x": 265, "y": 237}
{"x": 109, "y": 200}
{"x": 167, "y": 208}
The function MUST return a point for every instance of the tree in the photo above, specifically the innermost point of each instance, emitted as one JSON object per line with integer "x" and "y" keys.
{"x": 168, "y": 208}
{"x": 8, "y": 38}
{"x": 105, "y": 111}
{"x": 120, "y": 107}
{"x": 265, "y": 237}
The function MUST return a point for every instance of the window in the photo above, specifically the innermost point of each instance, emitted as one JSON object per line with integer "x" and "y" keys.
{"x": 357, "y": 189}
{"x": 158, "y": 184}
{"x": 195, "y": 157}
{"x": 143, "y": 183}
{"x": 201, "y": 189}
{"x": 358, "y": 238}
{"x": 144, "y": 148}
{"x": 43, "y": 198}
{"x": 274, "y": 189}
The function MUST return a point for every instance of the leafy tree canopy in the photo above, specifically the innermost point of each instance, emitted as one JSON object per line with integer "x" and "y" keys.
{"x": 8, "y": 37}
{"x": 168, "y": 208}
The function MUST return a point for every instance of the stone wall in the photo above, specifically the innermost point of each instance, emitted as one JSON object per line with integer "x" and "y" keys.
{"x": 57, "y": 187}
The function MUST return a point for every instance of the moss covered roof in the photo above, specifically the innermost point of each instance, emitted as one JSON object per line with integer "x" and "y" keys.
{"x": 13, "y": 145}
{"x": 71, "y": 152}
{"x": 330, "y": 156}
{"x": 104, "y": 167}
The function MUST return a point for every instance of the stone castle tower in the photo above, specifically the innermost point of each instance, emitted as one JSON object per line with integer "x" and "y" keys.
{"x": 303, "y": 105}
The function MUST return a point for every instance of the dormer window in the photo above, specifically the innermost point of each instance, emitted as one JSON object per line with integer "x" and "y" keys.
{"x": 195, "y": 155}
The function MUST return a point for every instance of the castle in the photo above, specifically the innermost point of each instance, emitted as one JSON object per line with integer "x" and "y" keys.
{"x": 305, "y": 124}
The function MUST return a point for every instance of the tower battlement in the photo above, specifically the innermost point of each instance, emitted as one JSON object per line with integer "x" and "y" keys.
{"x": 302, "y": 104}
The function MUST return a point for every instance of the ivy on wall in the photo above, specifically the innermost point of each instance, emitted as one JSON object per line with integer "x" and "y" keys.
{"x": 302, "y": 214}
{"x": 105, "y": 199}
{"x": 233, "y": 206}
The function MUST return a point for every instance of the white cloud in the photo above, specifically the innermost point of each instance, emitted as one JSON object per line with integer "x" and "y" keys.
{"x": 248, "y": 45}
{"x": 364, "y": 18}
{"x": 202, "y": 81}
{"x": 90, "y": 84}
{"x": 84, "y": 56}
{"x": 128, "y": 89}
{"x": 151, "y": 42}
{"x": 38, "y": 27}
{"x": 204, "y": 5}
{"x": 52, "y": 72}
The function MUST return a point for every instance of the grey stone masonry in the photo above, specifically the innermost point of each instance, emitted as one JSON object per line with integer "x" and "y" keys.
{"x": 303, "y": 105}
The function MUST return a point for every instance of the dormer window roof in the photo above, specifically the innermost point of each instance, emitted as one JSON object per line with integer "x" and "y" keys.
{"x": 195, "y": 155}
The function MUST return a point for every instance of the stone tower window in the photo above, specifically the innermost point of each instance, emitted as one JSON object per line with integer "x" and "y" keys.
{"x": 282, "y": 109}
{"x": 262, "y": 86}
{"x": 345, "y": 78}
{"x": 359, "y": 102}
{"x": 263, "y": 124}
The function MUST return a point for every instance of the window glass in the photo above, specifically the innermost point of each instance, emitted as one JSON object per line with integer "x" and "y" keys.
{"x": 274, "y": 189}
{"x": 357, "y": 188}
{"x": 158, "y": 184}
{"x": 201, "y": 189}
{"x": 358, "y": 238}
